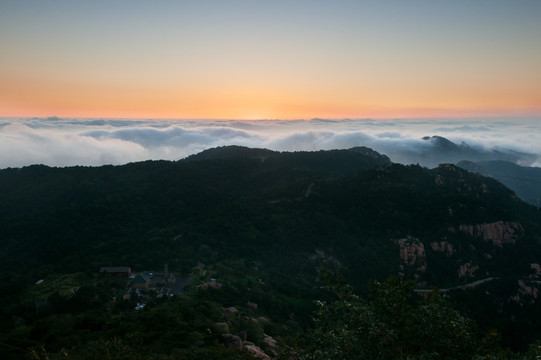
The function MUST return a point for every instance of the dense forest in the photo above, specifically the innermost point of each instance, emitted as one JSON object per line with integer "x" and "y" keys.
{"x": 524, "y": 180}
{"x": 313, "y": 255}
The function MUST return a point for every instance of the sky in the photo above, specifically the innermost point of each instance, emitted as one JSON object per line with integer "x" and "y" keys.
{"x": 247, "y": 60}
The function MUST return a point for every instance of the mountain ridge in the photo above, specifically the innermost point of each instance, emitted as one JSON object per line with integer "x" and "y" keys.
{"x": 525, "y": 181}
{"x": 276, "y": 224}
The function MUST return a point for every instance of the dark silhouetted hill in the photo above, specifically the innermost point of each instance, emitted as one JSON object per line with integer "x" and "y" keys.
{"x": 260, "y": 219}
{"x": 525, "y": 181}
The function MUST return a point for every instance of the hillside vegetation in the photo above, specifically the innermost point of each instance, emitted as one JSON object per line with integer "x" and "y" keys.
{"x": 265, "y": 226}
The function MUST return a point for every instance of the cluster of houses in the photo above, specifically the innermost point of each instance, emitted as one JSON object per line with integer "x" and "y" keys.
{"x": 162, "y": 283}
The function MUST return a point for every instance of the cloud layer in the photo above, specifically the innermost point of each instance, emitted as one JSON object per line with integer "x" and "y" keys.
{"x": 94, "y": 142}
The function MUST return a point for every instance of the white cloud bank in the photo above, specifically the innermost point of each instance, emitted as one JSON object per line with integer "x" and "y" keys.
{"x": 67, "y": 142}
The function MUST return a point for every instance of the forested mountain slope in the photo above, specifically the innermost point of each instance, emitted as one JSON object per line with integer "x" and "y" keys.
{"x": 255, "y": 216}
{"x": 526, "y": 181}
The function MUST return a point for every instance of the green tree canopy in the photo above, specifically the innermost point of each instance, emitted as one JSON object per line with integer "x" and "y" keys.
{"x": 391, "y": 323}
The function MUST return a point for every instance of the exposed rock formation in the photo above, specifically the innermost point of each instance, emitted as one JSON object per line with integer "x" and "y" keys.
{"x": 467, "y": 269}
{"x": 211, "y": 284}
{"x": 536, "y": 270}
{"x": 442, "y": 246}
{"x": 499, "y": 232}
{"x": 412, "y": 253}
{"x": 239, "y": 342}
{"x": 256, "y": 351}
{"x": 232, "y": 341}
{"x": 529, "y": 293}
{"x": 222, "y": 327}
{"x": 260, "y": 320}
{"x": 251, "y": 305}
{"x": 269, "y": 341}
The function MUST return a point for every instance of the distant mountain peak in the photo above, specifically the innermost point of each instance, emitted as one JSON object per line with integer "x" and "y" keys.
{"x": 236, "y": 151}
{"x": 232, "y": 151}
{"x": 441, "y": 143}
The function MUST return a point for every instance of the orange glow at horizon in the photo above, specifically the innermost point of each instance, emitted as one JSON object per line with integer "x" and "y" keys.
{"x": 41, "y": 97}
{"x": 274, "y": 60}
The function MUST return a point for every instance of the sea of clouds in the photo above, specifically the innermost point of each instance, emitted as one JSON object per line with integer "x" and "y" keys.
{"x": 93, "y": 142}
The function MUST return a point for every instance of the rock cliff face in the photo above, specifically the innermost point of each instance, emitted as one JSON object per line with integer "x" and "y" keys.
{"x": 412, "y": 253}
{"x": 499, "y": 232}
{"x": 467, "y": 270}
{"x": 526, "y": 293}
{"x": 442, "y": 246}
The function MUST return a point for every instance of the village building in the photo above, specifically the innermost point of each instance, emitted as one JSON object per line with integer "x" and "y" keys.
{"x": 145, "y": 280}
{"x": 165, "y": 271}
{"x": 169, "y": 278}
{"x": 141, "y": 281}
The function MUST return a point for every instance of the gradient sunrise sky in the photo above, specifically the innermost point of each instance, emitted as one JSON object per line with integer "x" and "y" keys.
{"x": 270, "y": 59}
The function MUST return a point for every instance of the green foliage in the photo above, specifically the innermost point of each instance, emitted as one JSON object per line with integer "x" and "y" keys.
{"x": 525, "y": 181}
{"x": 390, "y": 324}
{"x": 265, "y": 224}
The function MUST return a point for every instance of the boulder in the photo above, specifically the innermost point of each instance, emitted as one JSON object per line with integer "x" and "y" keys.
{"x": 232, "y": 341}
{"x": 222, "y": 327}
{"x": 231, "y": 310}
{"x": 262, "y": 320}
{"x": 211, "y": 284}
{"x": 269, "y": 341}
{"x": 256, "y": 351}
{"x": 251, "y": 305}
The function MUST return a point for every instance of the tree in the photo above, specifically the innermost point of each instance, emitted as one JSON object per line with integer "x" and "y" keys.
{"x": 392, "y": 323}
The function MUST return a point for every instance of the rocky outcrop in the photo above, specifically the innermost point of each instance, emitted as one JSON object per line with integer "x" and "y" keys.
{"x": 526, "y": 294}
{"x": 243, "y": 335}
{"x": 499, "y": 232}
{"x": 535, "y": 270}
{"x": 270, "y": 345}
{"x": 442, "y": 246}
{"x": 269, "y": 341}
{"x": 238, "y": 341}
{"x": 262, "y": 320}
{"x": 467, "y": 270}
{"x": 256, "y": 351}
{"x": 211, "y": 284}
{"x": 232, "y": 341}
{"x": 251, "y": 305}
{"x": 412, "y": 253}
{"x": 222, "y": 327}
